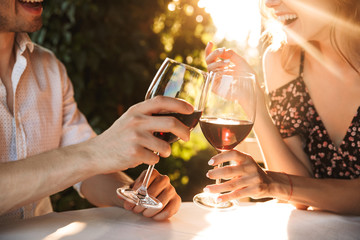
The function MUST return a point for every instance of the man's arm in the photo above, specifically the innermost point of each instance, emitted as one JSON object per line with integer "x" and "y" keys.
{"x": 31, "y": 179}
{"x": 127, "y": 143}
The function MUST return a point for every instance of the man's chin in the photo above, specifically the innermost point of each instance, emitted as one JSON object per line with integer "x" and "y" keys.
{"x": 35, "y": 26}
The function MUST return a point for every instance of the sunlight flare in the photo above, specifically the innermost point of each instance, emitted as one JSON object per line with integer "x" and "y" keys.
{"x": 66, "y": 231}
{"x": 237, "y": 20}
{"x": 328, "y": 17}
{"x": 345, "y": 26}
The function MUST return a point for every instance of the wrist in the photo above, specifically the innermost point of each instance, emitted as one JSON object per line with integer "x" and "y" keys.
{"x": 281, "y": 186}
{"x": 87, "y": 155}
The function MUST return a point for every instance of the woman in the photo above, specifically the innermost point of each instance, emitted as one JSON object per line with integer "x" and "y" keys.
{"x": 310, "y": 133}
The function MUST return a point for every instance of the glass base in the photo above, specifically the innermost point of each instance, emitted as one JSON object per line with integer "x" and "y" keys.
{"x": 137, "y": 198}
{"x": 208, "y": 201}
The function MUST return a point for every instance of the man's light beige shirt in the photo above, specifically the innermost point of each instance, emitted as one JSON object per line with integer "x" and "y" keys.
{"x": 45, "y": 114}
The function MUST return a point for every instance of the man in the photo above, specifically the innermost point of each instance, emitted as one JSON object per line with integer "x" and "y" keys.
{"x": 46, "y": 144}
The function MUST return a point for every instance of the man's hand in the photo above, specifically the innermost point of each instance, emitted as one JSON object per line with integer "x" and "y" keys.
{"x": 130, "y": 141}
{"x": 160, "y": 188}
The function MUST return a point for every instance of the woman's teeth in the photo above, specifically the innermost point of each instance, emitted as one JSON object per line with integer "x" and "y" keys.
{"x": 287, "y": 19}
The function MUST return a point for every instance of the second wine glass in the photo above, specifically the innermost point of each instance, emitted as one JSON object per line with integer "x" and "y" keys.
{"x": 227, "y": 119}
{"x": 176, "y": 80}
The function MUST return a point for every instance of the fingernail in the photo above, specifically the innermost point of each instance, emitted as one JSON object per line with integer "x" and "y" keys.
{"x": 211, "y": 162}
{"x": 206, "y": 190}
{"x": 207, "y": 174}
{"x": 226, "y": 60}
{"x": 162, "y": 216}
{"x": 190, "y": 108}
{"x": 218, "y": 200}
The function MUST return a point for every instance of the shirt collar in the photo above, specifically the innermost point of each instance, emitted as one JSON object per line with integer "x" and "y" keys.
{"x": 23, "y": 41}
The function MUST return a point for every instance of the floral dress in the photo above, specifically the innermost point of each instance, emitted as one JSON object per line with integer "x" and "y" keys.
{"x": 294, "y": 113}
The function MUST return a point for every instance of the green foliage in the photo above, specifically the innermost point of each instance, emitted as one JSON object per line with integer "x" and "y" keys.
{"x": 112, "y": 50}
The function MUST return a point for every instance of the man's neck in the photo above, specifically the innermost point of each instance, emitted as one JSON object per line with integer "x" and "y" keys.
{"x": 7, "y": 41}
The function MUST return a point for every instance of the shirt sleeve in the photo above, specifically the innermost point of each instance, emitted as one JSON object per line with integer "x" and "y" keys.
{"x": 75, "y": 128}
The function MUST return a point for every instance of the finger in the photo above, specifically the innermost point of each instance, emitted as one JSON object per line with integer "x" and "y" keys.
{"x": 161, "y": 189}
{"x": 240, "y": 193}
{"x": 138, "y": 209}
{"x": 231, "y": 171}
{"x": 158, "y": 185}
{"x": 128, "y": 205}
{"x": 168, "y": 124}
{"x": 231, "y": 185}
{"x": 163, "y": 104}
{"x": 219, "y": 65}
{"x": 208, "y": 48}
{"x": 137, "y": 184}
{"x": 170, "y": 209}
{"x": 164, "y": 197}
{"x": 239, "y": 61}
{"x": 139, "y": 180}
{"x": 141, "y": 154}
{"x": 231, "y": 155}
{"x": 214, "y": 55}
{"x": 153, "y": 144}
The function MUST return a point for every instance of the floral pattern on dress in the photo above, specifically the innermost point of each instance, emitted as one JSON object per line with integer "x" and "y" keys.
{"x": 293, "y": 113}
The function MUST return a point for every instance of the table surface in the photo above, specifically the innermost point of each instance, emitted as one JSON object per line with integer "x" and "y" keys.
{"x": 269, "y": 220}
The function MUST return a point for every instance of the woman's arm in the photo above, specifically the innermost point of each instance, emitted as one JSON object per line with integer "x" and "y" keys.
{"x": 249, "y": 180}
{"x": 334, "y": 195}
{"x": 279, "y": 155}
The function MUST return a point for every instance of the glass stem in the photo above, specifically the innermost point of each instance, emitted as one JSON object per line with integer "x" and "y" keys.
{"x": 143, "y": 188}
{"x": 218, "y": 180}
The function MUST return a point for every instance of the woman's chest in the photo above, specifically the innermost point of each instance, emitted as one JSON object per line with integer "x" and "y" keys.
{"x": 336, "y": 104}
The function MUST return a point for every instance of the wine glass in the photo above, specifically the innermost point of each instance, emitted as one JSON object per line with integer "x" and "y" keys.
{"x": 176, "y": 80}
{"x": 228, "y": 117}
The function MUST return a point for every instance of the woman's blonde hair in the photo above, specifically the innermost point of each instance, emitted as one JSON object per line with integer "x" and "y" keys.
{"x": 346, "y": 29}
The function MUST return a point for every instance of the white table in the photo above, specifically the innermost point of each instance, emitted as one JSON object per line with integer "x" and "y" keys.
{"x": 268, "y": 220}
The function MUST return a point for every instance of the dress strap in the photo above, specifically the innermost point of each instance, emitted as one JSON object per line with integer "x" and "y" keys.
{"x": 301, "y": 69}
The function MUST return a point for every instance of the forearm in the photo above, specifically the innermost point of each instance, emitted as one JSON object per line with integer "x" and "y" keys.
{"x": 335, "y": 195}
{"x": 31, "y": 179}
{"x": 100, "y": 190}
{"x": 278, "y": 156}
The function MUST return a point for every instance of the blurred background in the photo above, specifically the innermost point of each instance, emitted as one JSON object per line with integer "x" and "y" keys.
{"x": 112, "y": 50}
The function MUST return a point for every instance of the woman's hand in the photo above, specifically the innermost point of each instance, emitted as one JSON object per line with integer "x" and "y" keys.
{"x": 228, "y": 60}
{"x": 247, "y": 178}
{"x": 222, "y": 59}
{"x": 160, "y": 188}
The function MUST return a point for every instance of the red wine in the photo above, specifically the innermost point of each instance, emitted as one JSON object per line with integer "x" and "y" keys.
{"x": 225, "y": 134}
{"x": 189, "y": 120}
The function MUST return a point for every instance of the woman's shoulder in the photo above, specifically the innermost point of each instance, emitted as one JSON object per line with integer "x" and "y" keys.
{"x": 279, "y": 68}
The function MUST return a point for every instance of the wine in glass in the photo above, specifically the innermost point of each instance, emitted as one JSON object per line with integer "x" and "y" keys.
{"x": 227, "y": 119}
{"x": 176, "y": 80}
